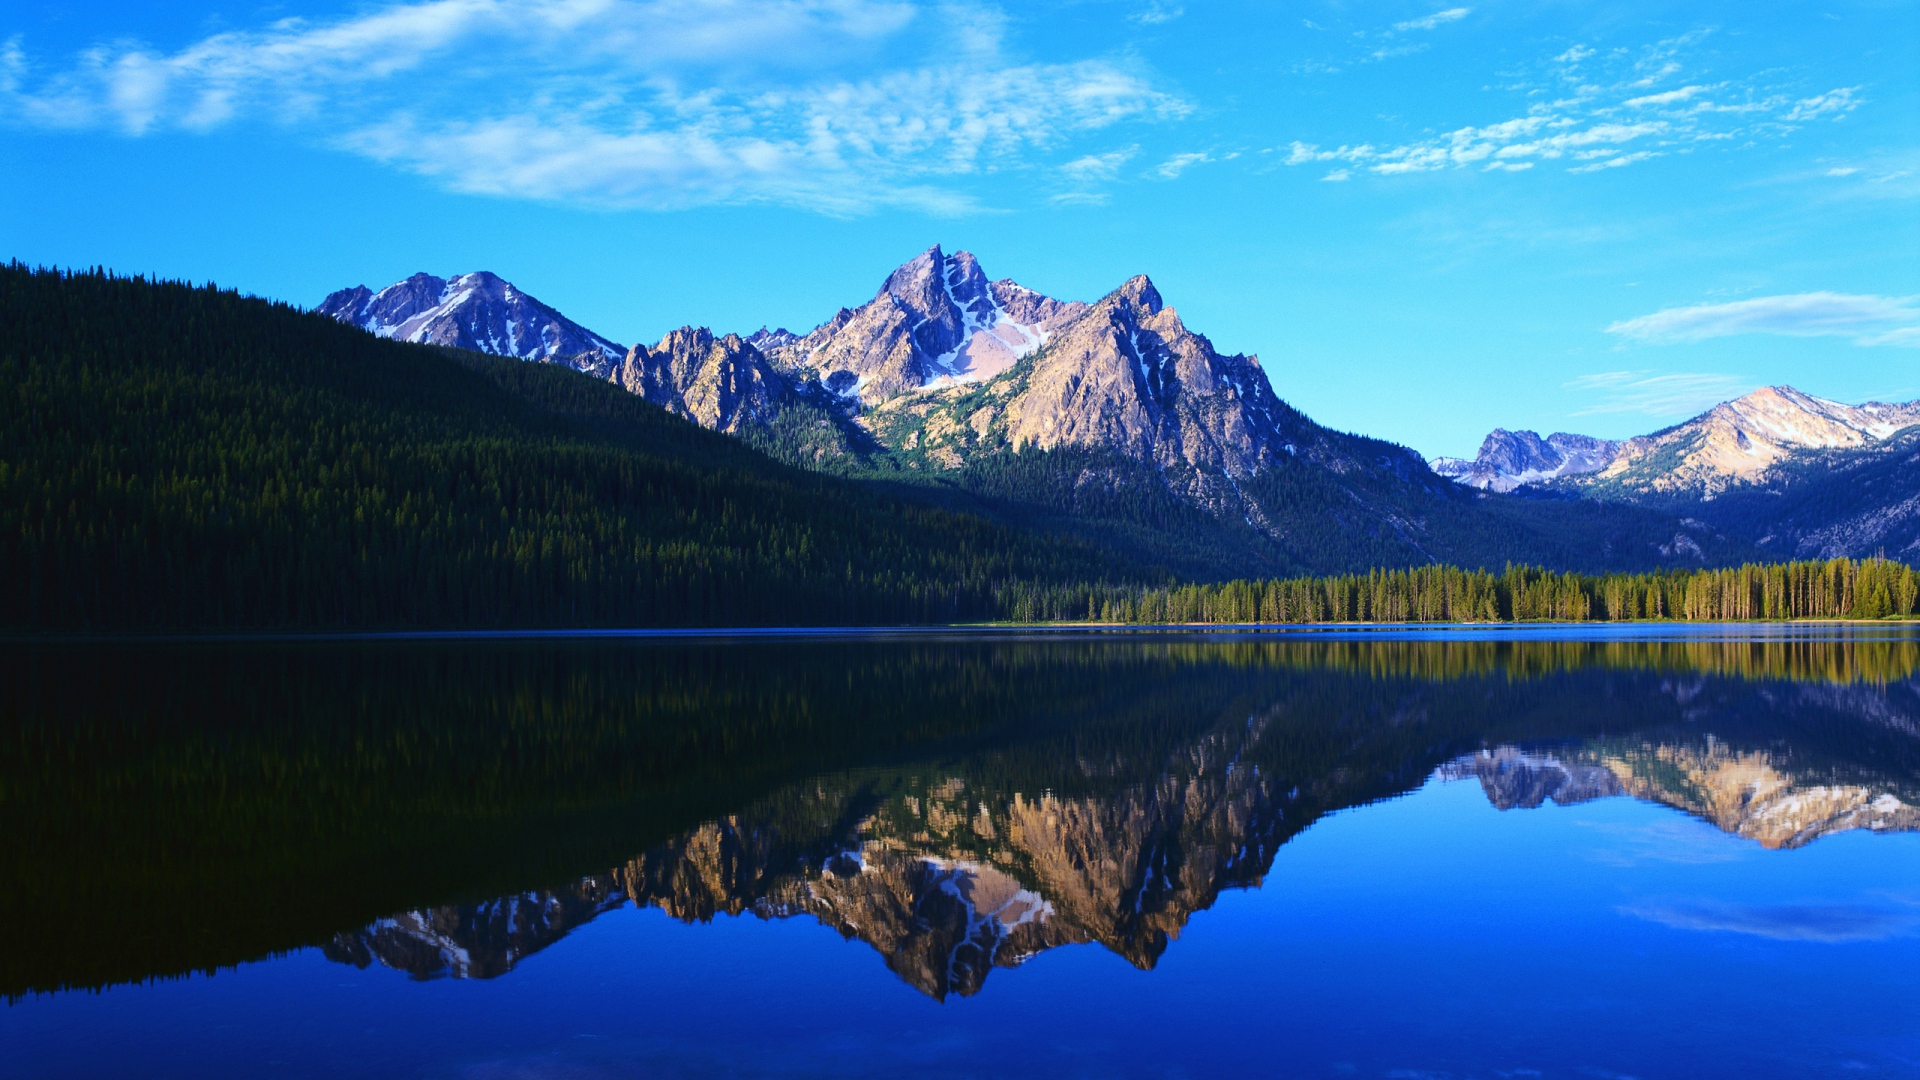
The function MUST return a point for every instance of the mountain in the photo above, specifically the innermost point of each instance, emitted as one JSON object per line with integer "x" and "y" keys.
{"x": 1796, "y": 475}
{"x": 1738, "y": 441}
{"x": 476, "y": 311}
{"x": 1830, "y": 504}
{"x": 1115, "y": 420}
{"x": 1508, "y": 459}
{"x": 936, "y": 321}
{"x": 723, "y": 384}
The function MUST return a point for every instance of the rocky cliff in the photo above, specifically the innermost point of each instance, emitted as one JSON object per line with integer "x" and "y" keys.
{"x": 720, "y": 383}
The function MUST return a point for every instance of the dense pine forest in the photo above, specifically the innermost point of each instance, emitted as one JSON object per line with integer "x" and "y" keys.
{"x": 1833, "y": 589}
{"x": 175, "y": 457}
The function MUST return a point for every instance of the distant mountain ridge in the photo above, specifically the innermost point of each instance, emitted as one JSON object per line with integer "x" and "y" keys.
{"x": 1738, "y": 441}
{"x": 1734, "y": 442}
{"x": 1803, "y": 476}
{"x": 1508, "y": 459}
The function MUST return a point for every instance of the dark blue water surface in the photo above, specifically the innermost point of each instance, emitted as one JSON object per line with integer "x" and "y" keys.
{"x": 1071, "y": 856}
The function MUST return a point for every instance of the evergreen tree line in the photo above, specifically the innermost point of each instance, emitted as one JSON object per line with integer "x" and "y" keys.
{"x": 1875, "y": 588}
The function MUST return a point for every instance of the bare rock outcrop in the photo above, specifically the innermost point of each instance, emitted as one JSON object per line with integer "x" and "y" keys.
{"x": 720, "y": 383}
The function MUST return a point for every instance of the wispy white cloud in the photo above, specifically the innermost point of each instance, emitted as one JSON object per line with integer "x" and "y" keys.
{"x": 1157, "y": 12}
{"x": 649, "y": 103}
{"x": 1868, "y": 319}
{"x": 1657, "y": 395}
{"x": 1669, "y": 97}
{"x": 1598, "y": 112}
{"x": 1099, "y": 166}
{"x": 1833, "y": 103}
{"x": 1388, "y": 52}
{"x": 1435, "y": 19}
{"x": 1179, "y": 163}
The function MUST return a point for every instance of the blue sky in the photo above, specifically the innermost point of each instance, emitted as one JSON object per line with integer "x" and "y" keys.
{"x": 1428, "y": 219}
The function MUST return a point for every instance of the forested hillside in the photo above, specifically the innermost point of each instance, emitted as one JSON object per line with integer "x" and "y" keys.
{"x": 179, "y": 457}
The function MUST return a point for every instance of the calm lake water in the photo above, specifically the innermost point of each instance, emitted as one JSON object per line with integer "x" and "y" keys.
{"x": 1426, "y": 854}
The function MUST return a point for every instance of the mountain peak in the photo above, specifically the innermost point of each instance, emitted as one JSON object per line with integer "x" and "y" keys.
{"x": 480, "y": 311}
{"x": 1508, "y": 459}
{"x": 1139, "y": 290}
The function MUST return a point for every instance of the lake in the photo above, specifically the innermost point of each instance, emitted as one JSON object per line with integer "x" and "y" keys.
{"x": 1502, "y": 852}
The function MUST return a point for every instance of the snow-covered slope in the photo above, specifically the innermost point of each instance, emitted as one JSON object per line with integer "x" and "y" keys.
{"x": 478, "y": 311}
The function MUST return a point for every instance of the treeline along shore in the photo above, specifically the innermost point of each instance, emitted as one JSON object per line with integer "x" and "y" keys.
{"x": 1875, "y": 588}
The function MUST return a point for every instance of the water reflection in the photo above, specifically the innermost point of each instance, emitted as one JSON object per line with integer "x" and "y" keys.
{"x": 957, "y": 806}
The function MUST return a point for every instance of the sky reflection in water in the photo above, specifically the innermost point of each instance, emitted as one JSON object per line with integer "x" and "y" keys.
{"x": 980, "y": 858}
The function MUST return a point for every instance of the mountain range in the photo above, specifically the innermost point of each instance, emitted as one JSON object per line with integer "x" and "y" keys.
{"x": 1111, "y": 420}
{"x": 1801, "y": 476}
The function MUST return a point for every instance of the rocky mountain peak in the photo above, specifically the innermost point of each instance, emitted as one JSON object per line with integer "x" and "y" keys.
{"x": 721, "y": 383}
{"x": 768, "y": 340}
{"x": 936, "y": 320}
{"x": 1139, "y": 292}
{"x": 1738, "y": 441}
{"x": 480, "y": 311}
{"x": 1508, "y": 459}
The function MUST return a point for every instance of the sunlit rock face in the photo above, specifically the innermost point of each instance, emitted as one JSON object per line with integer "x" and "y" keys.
{"x": 1737, "y": 441}
{"x": 720, "y": 383}
{"x": 1130, "y": 376}
{"x": 936, "y": 321}
{"x": 478, "y": 311}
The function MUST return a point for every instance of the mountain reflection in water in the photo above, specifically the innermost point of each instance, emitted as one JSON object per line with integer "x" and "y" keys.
{"x": 959, "y": 805}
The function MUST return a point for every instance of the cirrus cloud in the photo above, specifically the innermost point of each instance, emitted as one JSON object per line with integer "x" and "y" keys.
{"x": 839, "y": 106}
{"x": 1598, "y": 112}
{"x": 1868, "y": 319}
